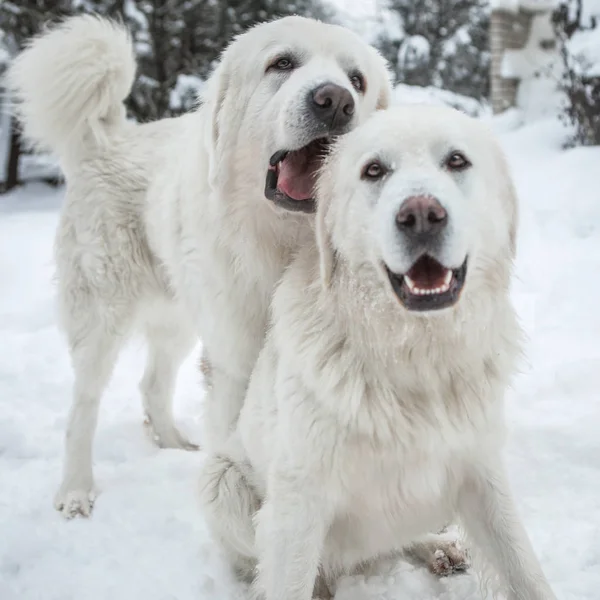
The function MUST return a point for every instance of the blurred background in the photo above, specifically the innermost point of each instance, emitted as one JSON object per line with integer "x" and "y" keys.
{"x": 479, "y": 55}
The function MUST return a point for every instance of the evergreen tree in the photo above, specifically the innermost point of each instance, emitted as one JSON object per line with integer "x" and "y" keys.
{"x": 443, "y": 43}
{"x": 580, "y": 80}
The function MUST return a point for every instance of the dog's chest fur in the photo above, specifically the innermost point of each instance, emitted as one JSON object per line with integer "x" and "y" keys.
{"x": 396, "y": 482}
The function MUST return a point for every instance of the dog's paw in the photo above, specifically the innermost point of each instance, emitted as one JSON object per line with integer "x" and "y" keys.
{"x": 74, "y": 502}
{"x": 449, "y": 558}
{"x": 168, "y": 436}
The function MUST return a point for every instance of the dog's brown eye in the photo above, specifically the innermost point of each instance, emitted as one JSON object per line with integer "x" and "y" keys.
{"x": 373, "y": 171}
{"x": 358, "y": 82}
{"x": 457, "y": 162}
{"x": 283, "y": 64}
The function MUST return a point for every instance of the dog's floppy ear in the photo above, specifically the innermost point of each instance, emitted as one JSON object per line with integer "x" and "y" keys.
{"x": 385, "y": 84}
{"x": 383, "y": 101}
{"x": 327, "y": 254}
{"x": 215, "y": 99}
{"x": 327, "y": 257}
{"x": 510, "y": 200}
{"x": 514, "y": 218}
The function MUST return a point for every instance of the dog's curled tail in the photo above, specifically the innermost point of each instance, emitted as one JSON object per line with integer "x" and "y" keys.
{"x": 69, "y": 83}
{"x": 229, "y": 504}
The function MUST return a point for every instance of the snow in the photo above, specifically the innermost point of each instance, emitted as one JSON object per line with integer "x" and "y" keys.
{"x": 585, "y": 45}
{"x": 185, "y": 94}
{"x": 513, "y": 6}
{"x": 585, "y": 48}
{"x": 414, "y": 51}
{"x": 538, "y": 5}
{"x": 147, "y": 538}
{"x": 368, "y": 18}
{"x": 413, "y": 94}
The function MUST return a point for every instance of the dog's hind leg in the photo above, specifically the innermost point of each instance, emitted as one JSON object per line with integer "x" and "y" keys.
{"x": 170, "y": 339}
{"x": 94, "y": 349}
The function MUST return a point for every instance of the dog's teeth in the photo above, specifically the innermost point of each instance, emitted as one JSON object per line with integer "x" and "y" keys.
{"x": 444, "y": 287}
{"x": 427, "y": 291}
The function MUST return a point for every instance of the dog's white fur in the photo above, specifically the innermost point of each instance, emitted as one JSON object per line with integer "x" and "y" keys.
{"x": 366, "y": 425}
{"x": 165, "y": 226}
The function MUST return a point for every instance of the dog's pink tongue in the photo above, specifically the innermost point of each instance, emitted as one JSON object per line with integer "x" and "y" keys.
{"x": 297, "y": 176}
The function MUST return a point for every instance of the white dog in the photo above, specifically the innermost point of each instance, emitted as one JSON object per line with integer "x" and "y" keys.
{"x": 182, "y": 227}
{"x": 375, "y": 411}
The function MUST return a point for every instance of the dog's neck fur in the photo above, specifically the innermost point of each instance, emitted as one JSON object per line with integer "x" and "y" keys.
{"x": 258, "y": 220}
{"x": 362, "y": 290}
{"x": 358, "y": 323}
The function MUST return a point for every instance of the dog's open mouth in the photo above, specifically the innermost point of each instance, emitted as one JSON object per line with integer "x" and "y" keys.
{"x": 292, "y": 175}
{"x": 428, "y": 285}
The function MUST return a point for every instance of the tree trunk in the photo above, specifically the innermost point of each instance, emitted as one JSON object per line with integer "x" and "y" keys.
{"x": 12, "y": 164}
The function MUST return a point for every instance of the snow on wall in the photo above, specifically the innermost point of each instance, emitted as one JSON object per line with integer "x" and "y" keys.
{"x": 525, "y": 62}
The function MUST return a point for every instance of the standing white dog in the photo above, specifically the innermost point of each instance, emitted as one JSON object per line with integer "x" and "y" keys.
{"x": 182, "y": 227}
{"x": 375, "y": 411}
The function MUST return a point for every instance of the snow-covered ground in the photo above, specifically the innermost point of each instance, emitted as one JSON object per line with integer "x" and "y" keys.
{"x": 147, "y": 539}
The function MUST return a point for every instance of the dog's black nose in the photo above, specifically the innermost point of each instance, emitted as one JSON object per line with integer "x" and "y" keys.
{"x": 333, "y": 105}
{"x": 421, "y": 217}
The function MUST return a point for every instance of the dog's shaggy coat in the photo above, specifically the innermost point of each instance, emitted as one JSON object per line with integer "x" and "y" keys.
{"x": 165, "y": 226}
{"x": 367, "y": 424}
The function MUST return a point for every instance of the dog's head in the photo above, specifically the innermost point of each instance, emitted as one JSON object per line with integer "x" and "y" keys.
{"x": 423, "y": 194}
{"x": 282, "y": 91}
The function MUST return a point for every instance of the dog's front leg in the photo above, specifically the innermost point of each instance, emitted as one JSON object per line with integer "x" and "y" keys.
{"x": 291, "y": 528}
{"x": 490, "y": 517}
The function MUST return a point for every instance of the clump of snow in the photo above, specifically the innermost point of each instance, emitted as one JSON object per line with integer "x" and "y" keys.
{"x": 135, "y": 15}
{"x": 186, "y": 92}
{"x": 584, "y": 47}
{"x": 414, "y": 52}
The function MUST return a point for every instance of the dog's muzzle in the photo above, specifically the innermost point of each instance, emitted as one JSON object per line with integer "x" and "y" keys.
{"x": 428, "y": 285}
{"x": 292, "y": 172}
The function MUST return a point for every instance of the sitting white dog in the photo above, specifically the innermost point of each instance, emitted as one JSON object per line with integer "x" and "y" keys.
{"x": 375, "y": 411}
